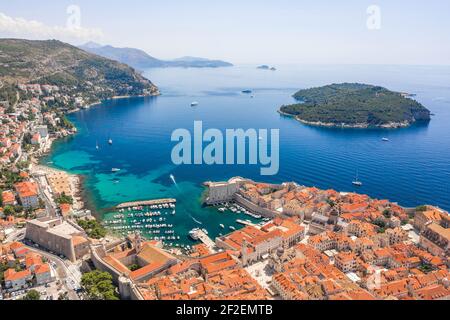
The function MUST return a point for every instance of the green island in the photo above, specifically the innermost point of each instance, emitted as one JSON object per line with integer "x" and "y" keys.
{"x": 355, "y": 105}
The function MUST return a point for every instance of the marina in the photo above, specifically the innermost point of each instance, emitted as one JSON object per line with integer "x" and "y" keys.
{"x": 159, "y": 202}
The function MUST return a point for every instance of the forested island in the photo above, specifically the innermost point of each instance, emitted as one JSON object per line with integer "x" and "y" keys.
{"x": 355, "y": 105}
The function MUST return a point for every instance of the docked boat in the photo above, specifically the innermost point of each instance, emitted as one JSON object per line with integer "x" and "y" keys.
{"x": 222, "y": 226}
{"x": 194, "y": 234}
{"x": 232, "y": 228}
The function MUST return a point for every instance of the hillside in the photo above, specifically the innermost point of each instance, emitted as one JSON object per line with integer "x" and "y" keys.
{"x": 139, "y": 59}
{"x": 355, "y": 105}
{"x": 74, "y": 70}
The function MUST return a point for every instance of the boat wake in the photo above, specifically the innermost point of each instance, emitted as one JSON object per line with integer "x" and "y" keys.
{"x": 196, "y": 221}
{"x": 172, "y": 177}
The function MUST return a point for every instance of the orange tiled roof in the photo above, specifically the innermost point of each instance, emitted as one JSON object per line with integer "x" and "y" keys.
{"x": 42, "y": 268}
{"x": 26, "y": 189}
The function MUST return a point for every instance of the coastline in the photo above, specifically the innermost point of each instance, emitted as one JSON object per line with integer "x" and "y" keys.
{"x": 77, "y": 181}
{"x": 390, "y": 125}
{"x": 158, "y": 93}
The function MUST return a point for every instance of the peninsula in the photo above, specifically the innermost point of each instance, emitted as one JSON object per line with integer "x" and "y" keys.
{"x": 354, "y": 105}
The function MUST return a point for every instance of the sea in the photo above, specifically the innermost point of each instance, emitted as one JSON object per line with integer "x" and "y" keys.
{"x": 412, "y": 169}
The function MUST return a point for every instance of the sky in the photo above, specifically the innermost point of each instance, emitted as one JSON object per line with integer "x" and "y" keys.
{"x": 414, "y": 32}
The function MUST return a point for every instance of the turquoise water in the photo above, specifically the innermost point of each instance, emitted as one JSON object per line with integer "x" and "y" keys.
{"x": 412, "y": 169}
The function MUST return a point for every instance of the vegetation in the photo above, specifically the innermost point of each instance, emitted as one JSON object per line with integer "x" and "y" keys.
{"x": 63, "y": 296}
{"x": 425, "y": 268}
{"x": 421, "y": 208}
{"x": 9, "y": 178}
{"x": 387, "y": 214}
{"x": 76, "y": 72}
{"x": 64, "y": 199}
{"x": 354, "y": 104}
{"x": 98, "y": 286}
{"x": 93, "y": 228}
{"x": 32, "y": 295}
{"x": 134, "y": 267}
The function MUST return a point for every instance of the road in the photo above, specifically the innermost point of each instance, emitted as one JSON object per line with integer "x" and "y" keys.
{"x": 67, "y": 272}
{"x": 50, "y": 206}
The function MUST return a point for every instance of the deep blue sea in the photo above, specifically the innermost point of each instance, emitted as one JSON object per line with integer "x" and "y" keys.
{"x": 412, "y": 169}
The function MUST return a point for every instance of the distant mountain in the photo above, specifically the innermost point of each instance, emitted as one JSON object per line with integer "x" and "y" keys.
{"x": 133, "y": 57}
{"x": 139, "y": 59}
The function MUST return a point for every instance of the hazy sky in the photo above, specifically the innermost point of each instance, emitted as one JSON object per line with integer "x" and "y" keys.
{"x": 247, "y": 31}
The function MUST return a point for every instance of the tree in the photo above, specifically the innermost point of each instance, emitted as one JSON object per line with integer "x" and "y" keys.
{"x": 64, "y": 199}
{"x": 32, "y": 295}
{"x": 93, "y": 228}
{"x": 63, "y": 296}
{"x": 9, "y": 211}
{"x": 387, "y": 213}
{"x": 421, "y": 208}
{"x": 134, "y": 267}
{"x": 99, "y": 286}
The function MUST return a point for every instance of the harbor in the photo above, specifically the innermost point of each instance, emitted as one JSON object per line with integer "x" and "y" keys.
{"x": 146, "y": 203}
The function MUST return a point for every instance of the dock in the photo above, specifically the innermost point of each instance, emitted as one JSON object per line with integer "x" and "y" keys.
{"x": 145, "y": 203}
{"x": 246, "y": 223}
{"x": 203, "y": 237}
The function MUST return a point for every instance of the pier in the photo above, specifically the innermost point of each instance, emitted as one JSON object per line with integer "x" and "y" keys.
{"x": 145, "y": 203}
{"x": 246, "y": 223}
{"x": 203, "y": 237}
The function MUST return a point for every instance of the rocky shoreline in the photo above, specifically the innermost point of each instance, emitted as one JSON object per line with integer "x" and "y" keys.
{"x": 390, "y": 125}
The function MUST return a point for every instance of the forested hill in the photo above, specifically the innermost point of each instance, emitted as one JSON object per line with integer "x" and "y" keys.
{"x": 74, "y": 70}
{"x": 356, "y": 105}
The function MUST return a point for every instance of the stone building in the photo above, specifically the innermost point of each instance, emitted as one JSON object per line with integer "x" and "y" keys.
{"x": 61, "y": 237}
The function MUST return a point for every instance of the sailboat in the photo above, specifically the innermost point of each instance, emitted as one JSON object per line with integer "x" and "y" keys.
{"x": 357, "y": 182}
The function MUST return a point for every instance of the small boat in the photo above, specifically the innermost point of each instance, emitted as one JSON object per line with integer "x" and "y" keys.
{"x": 97, "y": 146}
{"x": 115, "y": 170}
{"x": 194, "y": 104}
{"x": 110, "y": 142}
{"x": 385, "y": 139}
{"x": 356, "y": 182}
{"x": 247, "y": 91}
